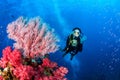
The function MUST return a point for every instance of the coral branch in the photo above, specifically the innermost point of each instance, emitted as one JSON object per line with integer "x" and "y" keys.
{"x": 32, "y": 37}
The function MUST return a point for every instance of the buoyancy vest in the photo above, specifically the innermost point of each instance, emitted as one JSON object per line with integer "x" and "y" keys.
{"x": 74, "y": 41}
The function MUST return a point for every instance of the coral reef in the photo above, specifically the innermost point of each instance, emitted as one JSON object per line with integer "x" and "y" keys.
{"x": 27, "y": 60}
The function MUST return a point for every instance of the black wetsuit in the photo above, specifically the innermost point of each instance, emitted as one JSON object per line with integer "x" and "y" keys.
{"x": 72, "y": 49}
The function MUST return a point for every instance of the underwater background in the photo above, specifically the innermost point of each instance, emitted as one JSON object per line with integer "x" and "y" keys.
{"x": 99, "y": 20}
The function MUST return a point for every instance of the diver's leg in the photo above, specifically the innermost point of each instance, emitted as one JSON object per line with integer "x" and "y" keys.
{"x": 66, "y": 52}
{"x": 64, "y": 49}
{"x": 73, "y": 53}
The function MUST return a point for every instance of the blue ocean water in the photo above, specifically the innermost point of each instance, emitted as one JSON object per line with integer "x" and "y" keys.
{"x": 99, "y": 20}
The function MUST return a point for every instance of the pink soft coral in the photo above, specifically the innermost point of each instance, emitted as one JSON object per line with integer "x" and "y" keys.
{"x": 32, "y": 37}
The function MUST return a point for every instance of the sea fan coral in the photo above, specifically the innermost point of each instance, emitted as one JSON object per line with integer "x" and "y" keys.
{"x": 33, "y": 37}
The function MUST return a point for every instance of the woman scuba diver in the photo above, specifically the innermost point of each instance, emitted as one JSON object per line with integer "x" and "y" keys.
{"x": 74, "y": 43}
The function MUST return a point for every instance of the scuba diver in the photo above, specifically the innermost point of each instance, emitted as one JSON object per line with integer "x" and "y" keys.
{"x": 74, "y": 43}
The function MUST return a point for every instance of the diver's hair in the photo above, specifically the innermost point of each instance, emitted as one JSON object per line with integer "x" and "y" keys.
{"x": 77, "y": 29}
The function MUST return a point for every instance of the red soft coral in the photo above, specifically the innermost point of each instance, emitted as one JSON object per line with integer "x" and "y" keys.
{"x": 48, "y": 70}
{"x": 10, "y": 57}
{"x": 24, "y": 72}
{"x": 15, "y": 58}
{"x": 1, "y": 78}
{"x": 5, "y": 57}
{"x": 48, "y": 63}
{"x": 60, "y": 73}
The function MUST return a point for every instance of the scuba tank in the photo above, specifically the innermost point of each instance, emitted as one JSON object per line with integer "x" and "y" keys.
{"x": 82, "y": 38}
